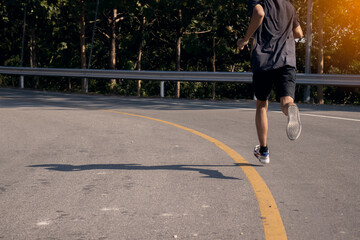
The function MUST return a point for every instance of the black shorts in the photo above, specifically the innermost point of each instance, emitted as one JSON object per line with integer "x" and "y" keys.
{"x": 283, "y": 78}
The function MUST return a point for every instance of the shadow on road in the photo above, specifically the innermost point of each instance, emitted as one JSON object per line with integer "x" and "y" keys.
{"x": 209, "y": 173}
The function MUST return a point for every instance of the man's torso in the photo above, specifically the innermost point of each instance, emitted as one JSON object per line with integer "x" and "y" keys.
{"x": 274, "y": 44}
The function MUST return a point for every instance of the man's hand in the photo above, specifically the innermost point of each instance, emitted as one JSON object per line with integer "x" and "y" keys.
{"x": 298, "y": 33}
{"x": 241, "y": 43}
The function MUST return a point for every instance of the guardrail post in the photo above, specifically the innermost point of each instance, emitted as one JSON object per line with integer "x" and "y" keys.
{"x": 162, "y": 90}
{"x": 86, "y": 85}
{"x": 21, "y": 81}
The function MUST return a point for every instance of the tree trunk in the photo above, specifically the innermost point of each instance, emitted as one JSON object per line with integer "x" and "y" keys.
{"x": 178, "y": 54}
{"x": 214, "y": 66}
{"x": 33, "y": 60}
{"x": 112, "y": 60}
{"x": 82, "y": 43}
{"x": 320, "y": 60}
{"x": 21, "y": 80}
{"x": 178, "y": 64}
{"x": 140, "y": 54}
{"x": 139, "y": 69}
{"x": 32, "y": 49}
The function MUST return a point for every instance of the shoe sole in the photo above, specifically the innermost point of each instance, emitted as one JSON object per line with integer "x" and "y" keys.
{"x": 293, "y": 128}
{"x": 266, "y": 161}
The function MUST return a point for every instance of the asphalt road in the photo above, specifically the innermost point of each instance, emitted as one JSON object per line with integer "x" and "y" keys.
{"x": 76, "y": 166}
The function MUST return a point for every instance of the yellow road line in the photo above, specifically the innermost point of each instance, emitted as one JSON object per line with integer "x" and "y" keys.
{"x": 271, "y": 219}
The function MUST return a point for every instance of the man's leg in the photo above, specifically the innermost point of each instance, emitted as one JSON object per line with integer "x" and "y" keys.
{"x": 263, "y": 82}
{"x": 261, "y": 151}
{"x": 285, "y": 87}
{"x": 261, "y": 121}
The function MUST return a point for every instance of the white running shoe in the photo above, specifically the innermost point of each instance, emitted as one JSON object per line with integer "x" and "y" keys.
{"x": 264, "y": 158}
{"x": 293, "y": 128}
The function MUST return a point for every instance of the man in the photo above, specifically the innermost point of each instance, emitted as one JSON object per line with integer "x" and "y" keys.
{"x": 274, "y": 26}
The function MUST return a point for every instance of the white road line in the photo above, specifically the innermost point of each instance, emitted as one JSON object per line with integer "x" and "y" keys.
{"x": 330, "y": 117}
{"x": 323, "y": 116}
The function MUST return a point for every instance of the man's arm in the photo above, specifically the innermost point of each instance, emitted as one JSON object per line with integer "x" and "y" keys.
{"x": 298, "y": 33}
{"x": 257, "y": 18}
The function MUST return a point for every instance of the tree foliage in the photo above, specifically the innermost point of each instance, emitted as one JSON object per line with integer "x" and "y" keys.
{"x": 191, "y": 35}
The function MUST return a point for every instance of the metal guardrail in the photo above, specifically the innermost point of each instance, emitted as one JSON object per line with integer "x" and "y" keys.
{"x": 241, "y": 77}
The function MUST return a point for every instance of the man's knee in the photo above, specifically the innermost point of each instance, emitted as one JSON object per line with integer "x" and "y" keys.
{"x": 261, "y": 104}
